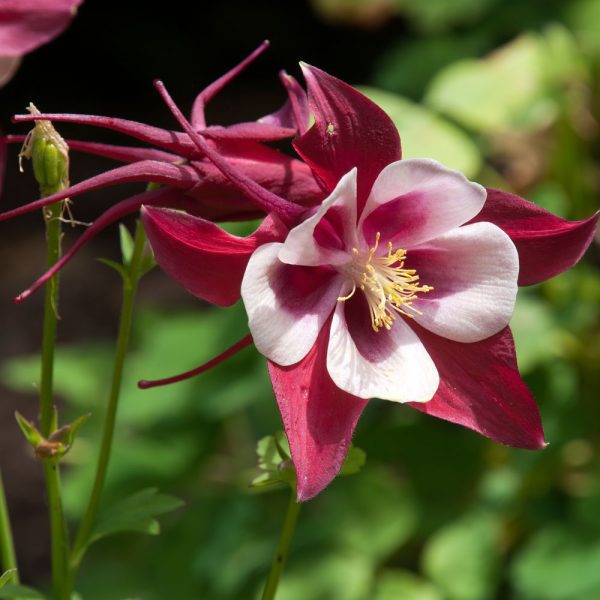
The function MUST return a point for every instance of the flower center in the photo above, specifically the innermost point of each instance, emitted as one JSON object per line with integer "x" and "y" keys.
{"x": 389, "y": 288}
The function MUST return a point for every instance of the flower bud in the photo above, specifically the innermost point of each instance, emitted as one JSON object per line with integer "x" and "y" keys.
{"x": 49, "y": 154}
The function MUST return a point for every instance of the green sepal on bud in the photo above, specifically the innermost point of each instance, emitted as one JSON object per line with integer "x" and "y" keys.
{"x": 276, "y": 466}
{"x": 49, "y": 154}
{"x": 57, "y": 444}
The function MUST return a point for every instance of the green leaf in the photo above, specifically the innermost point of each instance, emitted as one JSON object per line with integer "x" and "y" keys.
{"x": 269, "y": 456}
{"x": 427, "y": 135}
{"x": 274, "y": 460}
{"x": 382, "y": 516}
{"x": 6, "y": 577}
{"x": 148, "y": 262}
{"x": 558, "y": 564}
{"x": 538, "y": 338}
{"x": 475, "y": 92}
{"x": 67, "y": 433}
{"x": 127, "y": 244}
{"x": 355, "y": 461}
{"x": 135, "y": 513}
{"x": 30, "y": 431}
{"x": 23, "y": 592}
{"x": 538, "y": 67}
{"x": 584, "y": 18}
{"x": 344, "y": 576}
{"x": 441, "y": 15}
{"x": 404, "y": 585}
{"x": 463, "y": 559}
{"x": 119, "y": 268}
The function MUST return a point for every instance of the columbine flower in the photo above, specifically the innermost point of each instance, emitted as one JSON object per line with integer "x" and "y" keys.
{"x": 188, "y": 180}
{"x": 24, "y": 26}
{"x": 399, "y": 286}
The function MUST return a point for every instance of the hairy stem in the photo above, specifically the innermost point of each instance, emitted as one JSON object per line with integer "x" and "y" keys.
{"x": 58, "y": 525}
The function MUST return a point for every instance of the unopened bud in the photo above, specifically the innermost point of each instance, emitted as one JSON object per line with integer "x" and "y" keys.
{"x": 49, "y": 154}
{"x": 57, "y": 444}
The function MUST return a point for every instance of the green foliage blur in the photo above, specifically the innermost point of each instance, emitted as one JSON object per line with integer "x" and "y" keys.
{"x": 437, "y": 512}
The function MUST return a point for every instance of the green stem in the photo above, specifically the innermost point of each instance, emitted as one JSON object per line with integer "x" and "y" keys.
{"x": 59, "y": 533}
{"x": 53, "y": 238}
{"x": 58, "y": 525}
{"x": 7, "y": 547}
{"x": 130, "y": 284}
{"x": 287, "y": 533}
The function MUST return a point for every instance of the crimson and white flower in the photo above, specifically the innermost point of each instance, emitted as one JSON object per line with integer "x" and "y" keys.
{"x": 407, "y": 257}
{"x": 400, "y": 285}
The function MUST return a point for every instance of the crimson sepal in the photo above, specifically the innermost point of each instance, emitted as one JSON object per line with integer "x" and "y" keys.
{"x": 349, "y": 131}
{"x": 547, "y": 245}
{"x": 480, "y": 388}
{"x": 206, "y": 260}
{"x": 318, "y": 417}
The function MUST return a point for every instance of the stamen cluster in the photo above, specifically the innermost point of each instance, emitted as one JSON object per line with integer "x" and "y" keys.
{"x": 389, "y": 288}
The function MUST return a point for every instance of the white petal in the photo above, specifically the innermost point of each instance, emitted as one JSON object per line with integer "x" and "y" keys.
{"x": 302, "y": 248}
{"x": 392, "y": 365}
{"x": 473, "y": 271}
{"x": 416, "y": 200}
{"x": 286, "y": 304}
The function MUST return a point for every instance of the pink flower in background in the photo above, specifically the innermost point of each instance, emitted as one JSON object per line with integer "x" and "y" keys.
{"x": 399, "y": 286}
{"x": 27, "y": 24}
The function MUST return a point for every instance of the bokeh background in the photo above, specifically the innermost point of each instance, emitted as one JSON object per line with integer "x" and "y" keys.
{"x": 504, "y": 90}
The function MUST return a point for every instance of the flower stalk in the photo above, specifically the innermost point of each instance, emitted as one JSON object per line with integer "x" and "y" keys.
{"x": 135, "y": 270}
{"x": 283, "y": 548}
{"x": 58, "y": 525}
{"x": 7, "y": 547}
{"x": 49, "y": 154}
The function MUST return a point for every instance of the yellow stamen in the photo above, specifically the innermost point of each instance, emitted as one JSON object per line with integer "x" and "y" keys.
{"x": 389, "y": 288}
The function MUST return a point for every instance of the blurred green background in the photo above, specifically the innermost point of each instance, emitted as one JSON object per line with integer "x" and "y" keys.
{"x": 506, "y": 91}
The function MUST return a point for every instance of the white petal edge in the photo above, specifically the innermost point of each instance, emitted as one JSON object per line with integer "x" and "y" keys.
{"x": 283, "y": 336}
{"x": 300, "y": 246}
{"x": 483, "y": 268}
{"x": 408, "y": 374}
{"x": 448, "y": 199}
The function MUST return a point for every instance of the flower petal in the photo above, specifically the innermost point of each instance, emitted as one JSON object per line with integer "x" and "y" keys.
{"x": 26, "y": 25}
{"x": 318, "y": 417}
{"x": 547, "y": 245}
{"x": 349, "y": 131}
{"x": 287, "y": 305}
{"x": 199, "y": 255}
{"x": 327, "y": 236}
{"x": 473, "y": 271}
{"x": 389, "y": 364}
{"x": 8, "y": 67}
{"x": 480, "y": 388}
{"x": 416, "y": 200}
